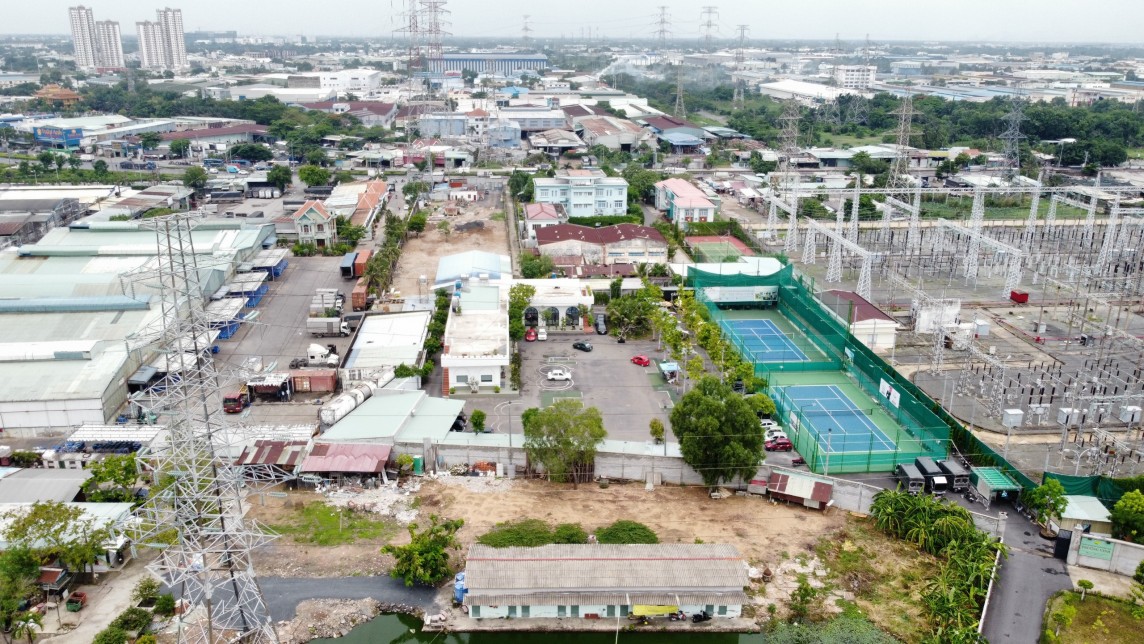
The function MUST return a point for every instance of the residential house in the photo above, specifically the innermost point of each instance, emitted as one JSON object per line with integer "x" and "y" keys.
{"x": 607, "y": 245}
{"x": 682, "y": 202}
{"x": 596, "y": 581}
{"x": 310, "y": 224}
{"x": 583, "y": 193}
{"x": 535, "y": 119}
{"x": 540, "y": 215}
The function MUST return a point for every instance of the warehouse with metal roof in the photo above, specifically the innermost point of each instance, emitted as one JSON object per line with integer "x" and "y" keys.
{"x": 604, "y": 581}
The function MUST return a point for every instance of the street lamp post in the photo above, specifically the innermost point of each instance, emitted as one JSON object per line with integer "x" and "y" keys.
{"x": 826, "y": 468}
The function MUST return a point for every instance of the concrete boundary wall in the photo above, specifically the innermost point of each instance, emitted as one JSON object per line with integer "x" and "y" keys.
{"x": 1102, "y": 552}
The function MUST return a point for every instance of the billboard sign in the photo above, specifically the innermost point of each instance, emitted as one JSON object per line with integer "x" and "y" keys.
{"x": 69, "y": 136}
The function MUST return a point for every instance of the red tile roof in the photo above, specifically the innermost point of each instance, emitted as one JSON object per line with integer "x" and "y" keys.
{"x": 611, "y": 270}
{"x": 543, "y": 211}
{"x": 375, "y": 191}
{"x": 664, "y": 123}
{"x": 360, "y": 458}
{"x": 316, "y": 205}
{"x": 601, "y": 235}
{"x": 375, "y": 107}
{"x": 863, "y": 309}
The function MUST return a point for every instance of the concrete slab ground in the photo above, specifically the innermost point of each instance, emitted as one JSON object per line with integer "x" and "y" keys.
{"x": 1103, "y": 582}
{"x": 105, "y": 601}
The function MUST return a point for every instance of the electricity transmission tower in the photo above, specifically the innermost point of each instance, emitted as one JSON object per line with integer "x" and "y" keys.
{"x": 526, "y": 31}
{"x": 196, "y": 521}
{"x": 709, "y": 24}
{"x": 662, "y": 27}
{"x": 740, "y": 57}
{"x": 1011, "y": 137}
{"x": 859, "y": 109}
{"x": 433, "y": 25}
{"x": 900, "y": 168}
{"x": 412, "y": 31}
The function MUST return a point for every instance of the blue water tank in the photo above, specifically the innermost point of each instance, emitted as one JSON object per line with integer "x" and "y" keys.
{"x": 459, "y": 589}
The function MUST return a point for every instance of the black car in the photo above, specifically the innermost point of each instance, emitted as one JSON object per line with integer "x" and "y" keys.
{"x": 583, "y": 346}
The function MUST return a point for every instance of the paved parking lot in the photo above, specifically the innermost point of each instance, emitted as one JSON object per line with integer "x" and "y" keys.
{"x": 626, "y": 394}
{"x": 278, "y": 334}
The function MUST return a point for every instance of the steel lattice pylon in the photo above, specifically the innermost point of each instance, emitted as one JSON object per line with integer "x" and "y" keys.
{"x": 976, "y": 218}
{"x": 195, "y": 518}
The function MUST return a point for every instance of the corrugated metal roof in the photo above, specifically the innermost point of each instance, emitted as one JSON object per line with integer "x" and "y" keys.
{"x": 616, "y": 599}
{"x": 1085, "y": 509}
{"x": 346, "y": 457}
{"x": 284, "y": 454}
{"x": 803, "y": 487}
{"x": 659, "y": 568}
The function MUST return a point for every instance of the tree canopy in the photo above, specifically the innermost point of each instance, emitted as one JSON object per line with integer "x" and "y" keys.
{"x": 562, "y": 438}
{"x": 632, "y": 314}
{"x": 112, "y": 479}
{"x": 253, "y": 152}
{"x": 312, "y": 175}
{"x": 1047, "y": 501}
{"x": 281, "y": 176}
{"x": 1128, "y": 517}
{"x": 425, "y": 560}
{"x": 719, "y": 434}
{"x": 180, "y": 147}
{"x": 54, "y": 529}
{"x": 195, "y": 177}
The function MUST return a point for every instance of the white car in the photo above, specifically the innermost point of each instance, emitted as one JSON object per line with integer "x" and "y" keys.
{"x": 768, "y": 424}
{"x": 559, "y": 374}
{"x": 773, "y": 433}
{"x": 541, "y": 334}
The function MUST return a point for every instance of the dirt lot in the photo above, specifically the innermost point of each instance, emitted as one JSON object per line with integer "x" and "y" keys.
{"x": 762, "y": 531}
{"x": 421, "y": 254}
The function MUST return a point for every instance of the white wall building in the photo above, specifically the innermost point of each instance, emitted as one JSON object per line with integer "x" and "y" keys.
{"x": 583, "y": 193}
{"x": 110, "y": 44}
{"x": 872, "y": 326}
{"x": 854, "y": 76}
{"x": 476, "y": 345}
{"x": 83, "y": 37}
{"x": 161, "y": 44}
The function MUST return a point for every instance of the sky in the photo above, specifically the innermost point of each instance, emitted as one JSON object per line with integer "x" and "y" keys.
{"x": 1113, "y": 21}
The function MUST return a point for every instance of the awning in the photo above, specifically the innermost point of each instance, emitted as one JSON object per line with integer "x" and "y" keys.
{"x": 640, "y": 610}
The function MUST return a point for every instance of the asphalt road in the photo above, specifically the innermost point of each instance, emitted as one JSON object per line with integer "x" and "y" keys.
{"x": 1025, "y": 582}
{"x": 283, "y": 594}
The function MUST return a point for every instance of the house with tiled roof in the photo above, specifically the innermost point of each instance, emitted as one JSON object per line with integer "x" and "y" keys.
{"x": 311, "y": 223}
{"x": 540, "y": 215}
{"x": 682, "y": 202}
{"x": 606, "y": 245}
{"x": 370, "y": 113}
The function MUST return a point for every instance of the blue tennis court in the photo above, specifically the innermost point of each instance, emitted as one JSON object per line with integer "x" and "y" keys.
{"x": 838, "y": 425}
{"x": 764, "y": 340}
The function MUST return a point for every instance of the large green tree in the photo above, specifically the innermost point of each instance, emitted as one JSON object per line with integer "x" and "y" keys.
{"x": 632, "y": 314}
{"x": 180, "y": 147}
{"x": 1047, "y": 501}
{"x": 253, "y": 152}
{"x": 425, "y": 560}
{"x": 281, "y": 176}
{"x": 533, "y": 266}
{"x": 1128, "y": 517}
{"x": 719, "y": 434}
{"x": 112, "y": 479}
{"x": 18, "y": 569}
{"x": 312, "y": 175}
{"x": 562, "y": 438}
{"x": 150, "y": 140}
{"x": 195, "y": 177}
{"x": 54, "y": 529}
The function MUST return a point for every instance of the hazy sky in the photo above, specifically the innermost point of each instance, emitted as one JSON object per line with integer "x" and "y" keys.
{"x": 1118, "y": 21}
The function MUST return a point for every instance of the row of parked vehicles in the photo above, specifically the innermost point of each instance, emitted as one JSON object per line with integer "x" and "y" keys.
{"x": 932, "y": 477}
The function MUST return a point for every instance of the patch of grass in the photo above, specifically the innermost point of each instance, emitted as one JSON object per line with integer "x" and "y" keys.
{"x": 496, "y": 216}
{"x": 626, "y": 532}
{"x": 961, "y": 208}
{"x": 847, "y": 140}
{"x": 524, "y": 533}
{"x": 322, "y": 525}
{"x": 1098, "y": 619}
{"x": 854, "y": 630}
{"x": 883, "y": 574}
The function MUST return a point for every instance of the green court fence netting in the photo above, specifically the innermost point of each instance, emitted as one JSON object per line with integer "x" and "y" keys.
{"x": 926, "y": 429}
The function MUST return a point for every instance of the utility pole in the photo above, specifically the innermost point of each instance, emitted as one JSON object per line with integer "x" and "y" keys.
{"x": 709, "y": 24}
{"x": 662, "y": 27}
{"x": 679, "y": 111}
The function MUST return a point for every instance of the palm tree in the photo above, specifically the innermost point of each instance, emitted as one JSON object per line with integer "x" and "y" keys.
{"x": 26, "y": 625}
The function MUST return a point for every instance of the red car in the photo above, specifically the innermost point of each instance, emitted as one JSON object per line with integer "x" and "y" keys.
{"x": 778, "y": 445}
{"x": 530, "y": 335}
{"x": 642, "y": 361}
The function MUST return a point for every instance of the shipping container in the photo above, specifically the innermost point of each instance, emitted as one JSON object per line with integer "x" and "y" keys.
{"x": 359, "y": 296}
{"x": 315, "y": 381}
{"x": 1020, "y": 297}
{"x": 360, "y": 262}
{"x": 348, "y": 265}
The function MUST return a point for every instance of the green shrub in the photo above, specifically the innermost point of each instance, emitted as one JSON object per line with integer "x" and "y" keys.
{"x": 146, "y": 639}
{"x": 147, "y": 589}
{"x": 569, "y": 533}
{"x": 133, "y": 619}
{"x": 110, "y": 635}
{"x": 624, "y": 531}
{"x": 524, "y": 533}
{"x": 164, "y": 606}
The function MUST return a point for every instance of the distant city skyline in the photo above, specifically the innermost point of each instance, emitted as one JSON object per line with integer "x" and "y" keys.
{"x": 1063, "y": 21}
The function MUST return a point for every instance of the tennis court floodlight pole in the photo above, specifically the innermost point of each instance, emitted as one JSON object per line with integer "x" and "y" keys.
{"x": 826, "y": 468}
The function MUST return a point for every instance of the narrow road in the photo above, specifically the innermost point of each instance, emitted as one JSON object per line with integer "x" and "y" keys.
{"x": 283, "y": 594}
{"x": 1025, "y": 582}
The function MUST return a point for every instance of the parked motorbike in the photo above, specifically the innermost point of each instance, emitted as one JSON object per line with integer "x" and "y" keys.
{"x": 700, "y": 617}
{"x": 678, "y": 616}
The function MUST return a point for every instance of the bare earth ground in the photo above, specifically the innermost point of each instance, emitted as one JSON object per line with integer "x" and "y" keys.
{"x": 420, "y": 254}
